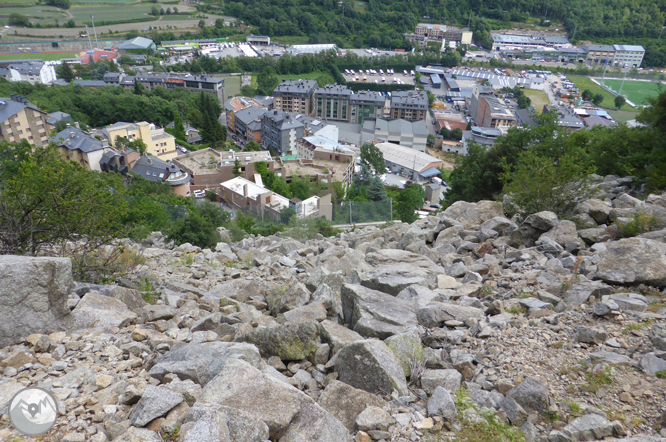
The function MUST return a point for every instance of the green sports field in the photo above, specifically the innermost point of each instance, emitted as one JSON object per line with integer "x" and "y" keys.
{"x": 46, "y": 56}
{"x": 586, "y": 83}
{"x": 636, "y": 91}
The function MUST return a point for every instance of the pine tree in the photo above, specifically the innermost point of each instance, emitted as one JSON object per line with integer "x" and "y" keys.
{"x": 178, "y": 127}
{"x": 376, "y": 191}
{"x": 138, "y": 88}
{"x": 66, "y": 72}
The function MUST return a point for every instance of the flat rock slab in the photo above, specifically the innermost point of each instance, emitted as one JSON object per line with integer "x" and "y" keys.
{"x": 394, "y": 270}
{"x": 207, "y": 422}
{"x": 202, "y": 362}
{"x": 292, "y": 342}
{"x": 611, "y": 358}
{"x": 374, "y": 314}
{"x": 33, "y": 296}
{"x": 633, "y": 261}
{"x": 155, "y": 402}
{"x": 346, "y": 402}
{"x": 290, "y": 414}
{"x": 102, "y": 312}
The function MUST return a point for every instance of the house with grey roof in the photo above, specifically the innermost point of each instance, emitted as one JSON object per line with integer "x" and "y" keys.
{"x": 247, "y": 123}
{"x": 35, "y": 72}
{"x": 77, "y": 145}
{"x": 158, "y": 171}
{"x": 10, "y": 74}
{"x": 280, "y": 131}
{"x": 137, "y": 45}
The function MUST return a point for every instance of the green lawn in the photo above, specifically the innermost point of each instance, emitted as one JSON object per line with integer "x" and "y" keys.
{"x": 48, "y": 56}
{"x": 35, "y": 12}
{"x": 636, "y": 91}
{"x": 179, "y": 17}
{"x": 291, "y": 40}
{"x": 539, "y": 98}
{"x": 609, "y": 99}
{"x": 110, "y": 12}
{"x": 232, "y": 85}
{"x": 623, "y": 116}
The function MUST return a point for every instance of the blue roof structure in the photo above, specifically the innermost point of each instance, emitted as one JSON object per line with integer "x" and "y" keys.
{"x": 431, "y": 172}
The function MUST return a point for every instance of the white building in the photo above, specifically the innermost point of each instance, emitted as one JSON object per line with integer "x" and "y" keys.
{"x": 629, "y": 56}
{"x": 35, "y": 72}
{"x": 10, "y": 74}
{"x": 311, "y": 49}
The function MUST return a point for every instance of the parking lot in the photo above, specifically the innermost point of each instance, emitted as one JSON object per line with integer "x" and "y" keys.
{"x": 377, "y": 78}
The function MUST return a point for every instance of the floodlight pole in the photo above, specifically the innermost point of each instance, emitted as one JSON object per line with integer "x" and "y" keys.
{"x": 95, "y": 31}
{"x": 89, "y": 39}
{"x": 622, "y": 85}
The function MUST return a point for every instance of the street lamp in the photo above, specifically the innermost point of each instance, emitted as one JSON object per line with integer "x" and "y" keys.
{"x": 93, "y": 23}
{"x": 662, "y": 31}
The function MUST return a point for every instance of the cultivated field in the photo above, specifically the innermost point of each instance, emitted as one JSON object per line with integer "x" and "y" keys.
{"x": 110, "y": 12}
{"x": 635, "y": 91}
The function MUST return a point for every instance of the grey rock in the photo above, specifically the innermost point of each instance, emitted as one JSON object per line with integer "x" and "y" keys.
{"x": 346, "y": 402}
{"x": 589, "y": 335}
{"x": 611, "y": 358}
{"x": 374, "y": 418}
{"x": 588, "y": 427}
{"x": 630, "y": 301}
{"x": 371, "y": 366}
{"x": 418, "y": 295}
{"x": 531, "y": 394}
{"x": 291, "y": 342}
{"x": 372, "y": 313}
{"x": 472, "y": 215}
{"x": 563, "y": 233}
{"x": 441, "y": 404}
{"x": 313, "y": 312}
{"x": 290, "y": 414}
{"x": 33, "y": 296}
{"x": 534, "y": 303}
{"x": 516, "y": 414}
{"x": 208, "y": 422}
{"x": 436, "y": 314}
{"x": 103, "y": 312}
{"x": 448, "y": 378}
{"x": 651, "y": 364}
{"x": 337, "y": 336}
{"x": 633, "y": 261}
{"x": 580, "y": 292}
{"x": 407, "y": 348}
{"x": 597, "y": 209}
{"x": 155, "y": 402}
{"x": 202, "y": 362}
{"x": 210, "y": 322}
{"x": 543, "y": 221}
{"x": 601, "y": 309}
{"x": 394, "y": 270}
{"x": 282, "y": 299}
{"x": 130, "y": 297}
{"x": 287, "y": 262}
{"x": 157, "y": 312}
{"x": 658, "y": 337}
{"x": 133, "y": 434}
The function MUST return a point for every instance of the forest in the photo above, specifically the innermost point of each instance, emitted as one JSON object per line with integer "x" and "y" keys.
{"x": 382, "y": 23}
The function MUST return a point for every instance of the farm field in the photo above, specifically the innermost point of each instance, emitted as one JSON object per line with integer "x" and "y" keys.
{"x": 635, "y": 91}
{"x": 46, "y": 56}
{"x": 609, "y": 98}
{"x": 539, "y": 98}
{"x": 110, "y": 12}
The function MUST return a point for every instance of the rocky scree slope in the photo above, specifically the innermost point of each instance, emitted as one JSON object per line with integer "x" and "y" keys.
{"x": 406, "y": 333}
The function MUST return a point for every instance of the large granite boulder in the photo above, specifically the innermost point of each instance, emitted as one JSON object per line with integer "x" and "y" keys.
{"x": 436, "y": 314}
{"x": 346, "y": 402}
{"x": 208, "y": 422}
{"x": 371, "y": 366}
{"x": 202, "y": 362}
{"x": 102, "y": 312}
{"x": 393, "y": 270}
{"x": 291, "y": 342}
{"x": 290, "y": 414}
{"x": 33, "y": 296}
{"x": 472, "y": 215}
{"x": 374, "y": 314}
{"x": 633, "y": 261}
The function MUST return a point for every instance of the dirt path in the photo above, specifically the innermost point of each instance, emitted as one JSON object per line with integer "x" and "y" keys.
{"x": 448, "y": 160}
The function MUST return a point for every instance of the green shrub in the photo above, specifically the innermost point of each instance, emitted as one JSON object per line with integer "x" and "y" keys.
{"x": 640, "y": 223}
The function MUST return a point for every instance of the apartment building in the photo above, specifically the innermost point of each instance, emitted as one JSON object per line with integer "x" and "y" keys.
{"x": 35, "y": 72}
{"x": 332, "y": 102}
{"x": 159, "y": 143}
{"x": 491, "y": 113}
{"x": 629, "y": 56}
{"x": 10, "y": 74}
{"x": 444, "y": 32}
{"x": 236, "y": 104}
{"x": 20, "y": 120}
{"x": 150, "y": 81}
{"x": 409, "y": 105}
{"x": 248, "y": 123}
{"x": 366, "y": 104}
{"x": 77, "y": 145}
{"x": 280, "y": 131}
{"x": 159, "y": 171}
{"x": 295, "y": 96}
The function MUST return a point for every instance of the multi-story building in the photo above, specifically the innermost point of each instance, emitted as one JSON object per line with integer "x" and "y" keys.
{"x": 192, "y": 83}
{"x": 35, "y": 72}
{"x": 483, "y": 136}
{"x": 280, "y": 131}
{"x": 444, "y": 32}
{"x": 236, "y": 104}
{"x": 366, "y": 104}
{"x": 332, "y": 102}
{"x": 411, "y": 134}
{"x": 247, "y": 123}
{"x": 599, "y": 54}
{"x": 511, "y": 41}
{"x": 20, "y": 120}
{"x": 295, "y": 96}
{"x": 158, "y": 171}
{"x": 409, "y": 105}
{"x": 158, "y": 143}
{"x": 491, "y": 113}
{"x": 10, "y": 74}
{"x": 77, "y": 145}
{"x": 628, "y": 56}
{"x": 258, "y": 40}
{"x": 205, "y": 83}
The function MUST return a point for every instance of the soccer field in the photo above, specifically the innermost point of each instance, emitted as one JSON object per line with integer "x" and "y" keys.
{"x": 46, "y": 56}
{"x": 635, "y": 91}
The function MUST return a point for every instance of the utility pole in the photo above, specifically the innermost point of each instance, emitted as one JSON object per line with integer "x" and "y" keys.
{"x": 469, "y": 21}
{"x": 89, "y": 39}
{"x": 350, "y": 213}
{"x": 94, "y": 30}
{"x": 662, "y": 31}
{"x": 575, "y": 29}
{"x": 604, "y": 77}
{"x": 622, "y": 85}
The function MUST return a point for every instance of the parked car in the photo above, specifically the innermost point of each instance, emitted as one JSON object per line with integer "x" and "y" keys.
{"x": 199, "y": 193}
